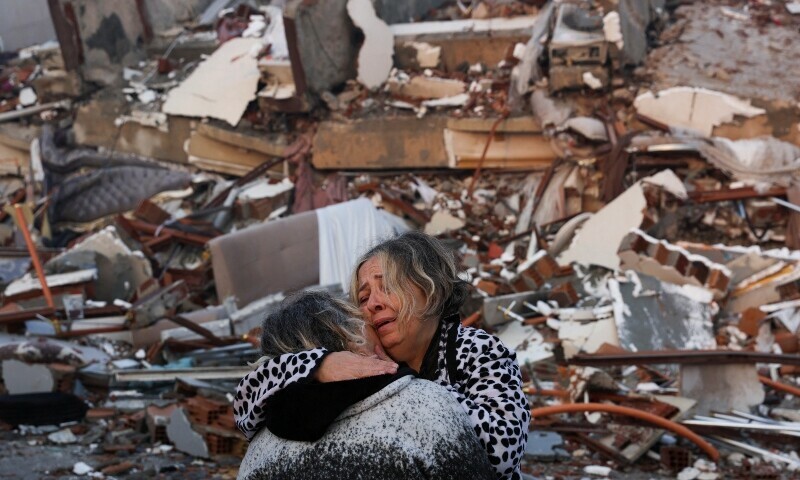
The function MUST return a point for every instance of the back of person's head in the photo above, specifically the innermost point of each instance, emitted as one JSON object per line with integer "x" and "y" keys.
{"x": 308, "y": 320}
{"x": 424, "y": 261}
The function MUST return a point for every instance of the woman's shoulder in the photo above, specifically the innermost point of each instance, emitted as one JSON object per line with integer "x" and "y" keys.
{"x": 411, "y": 406}
{"x": 407, "y": 393}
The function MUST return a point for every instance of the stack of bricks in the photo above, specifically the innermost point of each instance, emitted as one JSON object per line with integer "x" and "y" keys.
{"x": 216, "y": 424}
{"x": 535, "y": 276}
{"x": 638, "y": 251}
{"x": 207, "y": 412}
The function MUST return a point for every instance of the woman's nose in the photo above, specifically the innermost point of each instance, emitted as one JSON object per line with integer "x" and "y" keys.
{"x": 375, "y": 303}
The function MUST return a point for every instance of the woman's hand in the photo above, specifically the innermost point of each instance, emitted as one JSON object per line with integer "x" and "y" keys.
{"x": 339, "y": 366}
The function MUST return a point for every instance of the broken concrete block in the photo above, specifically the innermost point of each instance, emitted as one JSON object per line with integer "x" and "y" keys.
{"x": 670, "y": 263}
{"x": 185, "y": 439}
{"x": 721, "y": 388}
{"x": 442, "y": 222}
{"x": 398, "y": 142}
{"x": 581, "y": 337}
{"x": 653, "y": 315}
{"x": 120, "y": 271}
{"x": 544, "y": 446}
{"x": 375, "y": 56}
{"x": 598, "y": 240}
{"x": 95, "y": 125}
{"x": 63, "y": 437}
{"x": 20, "y": 377}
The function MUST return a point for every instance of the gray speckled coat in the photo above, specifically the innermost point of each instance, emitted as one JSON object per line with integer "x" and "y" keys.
{"x": 411, "y": 429}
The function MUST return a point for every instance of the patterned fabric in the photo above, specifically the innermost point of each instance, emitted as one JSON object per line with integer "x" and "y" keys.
{"x": 411, "y": 429}
{"x": 488, "y": 387}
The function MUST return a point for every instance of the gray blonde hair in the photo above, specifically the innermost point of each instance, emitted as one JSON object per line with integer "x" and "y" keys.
{"x": 417, "y": 259}
{"x": 308, "y": 320}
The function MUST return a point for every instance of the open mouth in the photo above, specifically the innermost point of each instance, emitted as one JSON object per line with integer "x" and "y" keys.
{"x": 382, "y": 323}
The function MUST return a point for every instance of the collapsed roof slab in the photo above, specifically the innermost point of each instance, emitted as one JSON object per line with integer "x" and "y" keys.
{"x": 470, "y": 41}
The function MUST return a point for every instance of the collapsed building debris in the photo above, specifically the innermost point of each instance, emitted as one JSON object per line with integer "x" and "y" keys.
{"x": 618, "y": 180}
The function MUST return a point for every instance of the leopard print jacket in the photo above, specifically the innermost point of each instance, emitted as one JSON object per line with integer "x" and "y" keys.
{"x": 488, "y": 387}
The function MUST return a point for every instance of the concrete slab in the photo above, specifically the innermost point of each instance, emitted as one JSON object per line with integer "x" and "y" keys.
{"x": 184, "y": 438}
{"x": 721, "y": 388}
{"x": 20, "y": 377}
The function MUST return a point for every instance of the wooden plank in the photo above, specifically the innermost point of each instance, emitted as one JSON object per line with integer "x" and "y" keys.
{"x": 507, "y": 150}
{"x": 513, "y": 124}
{"x": 269, "y": 144}
{"x": 218, "y": 167}
{"x": 14, "y": 161}
{"x": 207, "y": 148}
{"x": 381, "y": 143}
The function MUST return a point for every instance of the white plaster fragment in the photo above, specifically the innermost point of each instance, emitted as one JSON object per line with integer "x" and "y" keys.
{"x": 591, "y": 81}
{"x": 612, "y": 30}
{"x": 27, "y": 97}
{"x": 427, "y": 54}
{"x": 81, "y": 468}
{"x": 375, "y": 58}
{"x": 63, "y": 437}
{"x": 598, "y": 470}
{"x": 699, "y": 109}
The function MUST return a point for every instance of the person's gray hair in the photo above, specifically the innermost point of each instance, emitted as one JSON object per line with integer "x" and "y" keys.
{"x": 421, "y": 260}
{"x": 312, "y": 319}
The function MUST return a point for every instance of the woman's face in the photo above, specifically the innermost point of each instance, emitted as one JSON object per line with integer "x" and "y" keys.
{"x": 400, "y": 339}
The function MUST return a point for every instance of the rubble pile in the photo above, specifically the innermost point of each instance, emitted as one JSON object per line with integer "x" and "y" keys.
{"x": 619, "y": 180}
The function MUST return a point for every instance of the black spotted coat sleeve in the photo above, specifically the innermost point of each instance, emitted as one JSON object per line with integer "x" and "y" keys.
{"x": 269, "y": 377}
{"x": 489, "y": 388}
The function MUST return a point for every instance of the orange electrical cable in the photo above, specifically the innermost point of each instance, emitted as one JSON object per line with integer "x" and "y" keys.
{"x": 780, "y": 386}
{"x": 37, "y": 263}
{"x": 630, "y": 412}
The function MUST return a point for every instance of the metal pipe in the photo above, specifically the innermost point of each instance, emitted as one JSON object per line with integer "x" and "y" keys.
{"x": 630, "y": 412}
{"x": 784, "y": 203}
{"x": 170, "y": 375}
{"x": 24, "y": 112}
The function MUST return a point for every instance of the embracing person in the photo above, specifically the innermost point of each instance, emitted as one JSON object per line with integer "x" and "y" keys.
{"x": 386, "y": 426}
{"x": 407, "y": 288}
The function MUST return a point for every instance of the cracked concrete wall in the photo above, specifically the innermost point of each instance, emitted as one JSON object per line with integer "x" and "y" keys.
{"x": 113, "y": 36}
